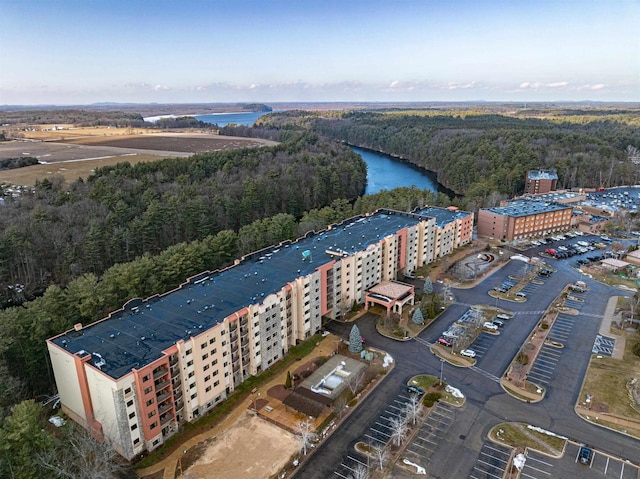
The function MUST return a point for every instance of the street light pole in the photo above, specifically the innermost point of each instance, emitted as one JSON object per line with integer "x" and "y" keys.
{"x": 441, "y": 368}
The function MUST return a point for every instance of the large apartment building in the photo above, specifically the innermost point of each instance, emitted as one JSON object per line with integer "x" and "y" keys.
{"x": 136, "y": 375}
{"x": 523, "y": 219}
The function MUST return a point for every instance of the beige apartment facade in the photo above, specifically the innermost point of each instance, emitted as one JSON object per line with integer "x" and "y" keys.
{"x": 139, "y": 373}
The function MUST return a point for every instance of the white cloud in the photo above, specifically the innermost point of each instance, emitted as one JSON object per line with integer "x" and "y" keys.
{"x": 524, "y": 85}
{"x": 597, "y": 86}
{"x": 394, "y": 84}
{"x": 557, "y": 84}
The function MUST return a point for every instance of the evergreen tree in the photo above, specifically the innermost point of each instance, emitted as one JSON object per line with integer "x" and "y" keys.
{"x": 287, "y": 382}
{"x": 418, "y": 318}
{"x": 355, "y": 340}
{"x": 428, "y": 286}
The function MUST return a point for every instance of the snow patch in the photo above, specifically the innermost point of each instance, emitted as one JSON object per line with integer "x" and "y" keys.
{"x": 387, "y": 360}
{"x": 57, "y": 421}
{"x": 519, "y": 461}
{"x": 544, "y": 431}
{"x": 455, "y": 392}
{"x": 419, "y": 469}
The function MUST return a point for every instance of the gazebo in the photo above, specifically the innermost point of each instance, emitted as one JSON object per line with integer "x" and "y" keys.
{"x": 393, "y": 295}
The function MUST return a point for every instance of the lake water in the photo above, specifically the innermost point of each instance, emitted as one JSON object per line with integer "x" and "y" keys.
{"x": 384, "y": 172}
{"x": 223, "y": 119}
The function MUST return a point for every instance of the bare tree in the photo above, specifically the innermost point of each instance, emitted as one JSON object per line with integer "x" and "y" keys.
{"x": 360, "y": 472}
{"x": 633, "y": 302}
{"x": 306, "y": 435}
{"x": 398, "y": 426}
{"x": 339, "y": 405}
{"x": 79, "y": 456}
{"x": 446, "y": 293}
{"x": 414, "y": 409}
{"x": 355, "y": 380}
{"x": 380, "y": 453}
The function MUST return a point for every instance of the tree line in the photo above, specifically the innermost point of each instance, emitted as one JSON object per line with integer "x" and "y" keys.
{"x": 59, "y": 231}
{"x": 485, "y": 156}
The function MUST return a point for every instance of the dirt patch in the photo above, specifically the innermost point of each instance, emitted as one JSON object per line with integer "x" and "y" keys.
{"x": 179, "y": 143}
{"x": 224, "y": 456}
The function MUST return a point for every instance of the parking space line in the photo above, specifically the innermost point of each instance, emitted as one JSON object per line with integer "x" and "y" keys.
{"x": 374, "y": 438}
{"x": 498, "y": 450}
{"x": 340, "y": 475}
{"x": 529, "y": 458}
{"x": 492, "y": 457}
{"x": 380, "y": 432}
{"x": 545, "y": 366}
{"x": 488, "y": 473}
{"x": 548, "y": 359}
{"x": 536, "y": 469}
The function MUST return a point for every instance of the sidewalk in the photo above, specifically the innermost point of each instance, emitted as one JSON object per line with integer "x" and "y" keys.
{"x": 605, "y": 329}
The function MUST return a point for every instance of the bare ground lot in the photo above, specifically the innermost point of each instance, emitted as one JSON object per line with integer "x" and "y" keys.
{"x": 191, "y": 143}
{"x": 78, "y": 157}
{"x": 251, "y": 448}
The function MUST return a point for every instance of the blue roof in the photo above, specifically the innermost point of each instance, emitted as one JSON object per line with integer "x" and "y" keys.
{"x": 551, "y": 174}
{"x": 442, "y": 216}
{"x": 526, "y": 208}
{"x": 136, "y": 335}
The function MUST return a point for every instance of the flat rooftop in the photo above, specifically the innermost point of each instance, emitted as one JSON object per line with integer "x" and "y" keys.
{"x": 139, "y": 333}
{"x": 543, "y": 174}
{"x": 555, "y": 196}
{"x": 526, "y": 207}
{"x": 443, "y": 216}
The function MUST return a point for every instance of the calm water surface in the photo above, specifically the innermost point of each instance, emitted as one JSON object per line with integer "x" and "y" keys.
{"x": 383, "y": 171}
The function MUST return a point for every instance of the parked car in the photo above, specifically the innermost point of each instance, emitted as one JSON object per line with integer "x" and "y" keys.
{"x": 498, "y": 322}
{"x": 585, "y": 454}
{"x": 490, "y": 326}
{"x": 504, "y": 317}
{"x": 415, "y": 390}
{"x": 469, "y": 353}
{"x": 520, "y": 294}
{"x": 445, "y": 342}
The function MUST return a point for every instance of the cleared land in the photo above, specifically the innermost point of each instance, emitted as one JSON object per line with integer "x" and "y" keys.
{"x": 78, "y": 157}
{"x": 269, "y": 450}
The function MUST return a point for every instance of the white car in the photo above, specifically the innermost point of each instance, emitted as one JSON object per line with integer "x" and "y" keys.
{"x": 469, "y": 353}
{"x": 490, "y": 326}
{"x": 535, "y": 243}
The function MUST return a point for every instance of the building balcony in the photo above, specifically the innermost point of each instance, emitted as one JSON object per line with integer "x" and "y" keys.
{"x": 162, "y": 385}
{"x": 234, "y": 348}
{"x": 234, "y": 337}
{"x": 163, "y": 397}
{"x": 166, "y": 419}
{"x": 165, "y": 407}
{"x": 157, "y": 374}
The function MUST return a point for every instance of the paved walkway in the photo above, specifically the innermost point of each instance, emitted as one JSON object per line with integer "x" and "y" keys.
{"x": 605, "y": 328}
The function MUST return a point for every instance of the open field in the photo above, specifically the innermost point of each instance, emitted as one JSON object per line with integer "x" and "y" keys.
{"x": 48, "y": 133}
{"x": 80, "y": 156}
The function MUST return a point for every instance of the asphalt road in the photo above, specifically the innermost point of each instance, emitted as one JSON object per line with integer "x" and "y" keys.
{"x": 487, "y": 404}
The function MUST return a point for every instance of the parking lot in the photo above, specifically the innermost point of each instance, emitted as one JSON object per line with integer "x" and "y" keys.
{"x": 427, "y": 439}
{"x": 561, "y": 329}
{"x": 603, "y": 345}
{"x": 492, "y": 462}
{"x": 539, "y": 466}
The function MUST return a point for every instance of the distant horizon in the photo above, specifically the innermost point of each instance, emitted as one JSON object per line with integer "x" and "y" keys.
{"x": 74, "y": 52}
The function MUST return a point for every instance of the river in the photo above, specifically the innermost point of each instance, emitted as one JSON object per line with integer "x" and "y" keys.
{"x": 384, "y": 172}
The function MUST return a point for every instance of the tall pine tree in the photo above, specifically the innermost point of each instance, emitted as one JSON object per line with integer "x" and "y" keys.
{"x": 355, "y": 340}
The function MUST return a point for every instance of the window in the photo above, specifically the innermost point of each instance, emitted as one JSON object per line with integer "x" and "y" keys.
{"x": 154, "y": 425}
{"x": 206, "y": 366}
{"x": 130, "y": 403}
{"x": 127, "y": 391}
{"x": 216, "y": 384}
{"x": 132, "y": 415}
{"x": 208, "y": 378}
{"x": 194, "y": 395}
{"x": 151, "y": 414}
{"x": 190, "y": 363}
{"x": 208, "y": 389}
{"x": 136, "y": 441}
{"x": 191, "y": 374}
{"x": 212, "y": 340}
{"x": 188, "y": 352}
{"x": 205, "y": 356}
{"x": 134, "y": 427}
{"x": 150, "y": 402}
{"x": 214, "y": 362}
{"x": 215, "y": 373}
{"x": 148, "y": 390}
{"x": 203, "y": 345}
{"x": 146, "y": 378}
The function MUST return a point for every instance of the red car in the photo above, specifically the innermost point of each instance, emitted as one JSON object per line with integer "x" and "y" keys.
{"x": 445, "y": 342}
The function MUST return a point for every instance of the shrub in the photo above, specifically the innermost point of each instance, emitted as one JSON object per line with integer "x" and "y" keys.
{"x": 544, "y": 326}
{"x": 522, "y": 359}
{"x": 431, "y": 398}
{"x": 636, "y": 349}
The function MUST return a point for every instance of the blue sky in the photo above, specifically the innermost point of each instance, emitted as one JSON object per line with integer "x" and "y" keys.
{"x": 73, "y": 52}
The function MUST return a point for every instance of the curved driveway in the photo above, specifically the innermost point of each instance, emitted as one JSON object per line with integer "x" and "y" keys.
{"x": 487, "y": 404}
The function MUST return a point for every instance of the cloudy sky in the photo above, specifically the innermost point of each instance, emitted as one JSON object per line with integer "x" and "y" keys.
{"x": 85, "y": 51}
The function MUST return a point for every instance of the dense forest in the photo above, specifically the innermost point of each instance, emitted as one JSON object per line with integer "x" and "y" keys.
{"x": 62, "y": 231}
{"x": 485, "y": 157}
